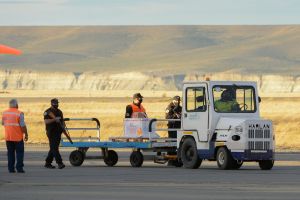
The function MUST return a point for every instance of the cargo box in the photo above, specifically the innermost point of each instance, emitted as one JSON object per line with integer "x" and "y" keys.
{"x": 138, "y": 127}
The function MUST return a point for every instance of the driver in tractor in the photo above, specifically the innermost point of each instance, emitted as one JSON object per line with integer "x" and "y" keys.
{"x": 227, "y": 103}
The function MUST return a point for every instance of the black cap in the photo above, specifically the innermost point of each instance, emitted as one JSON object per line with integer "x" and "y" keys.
{"x": 176, "y": 98}
{"x": 54, "y": 101}
{"x": 137, "y": 95}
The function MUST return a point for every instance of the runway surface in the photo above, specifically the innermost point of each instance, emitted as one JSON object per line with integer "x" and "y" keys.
{"x": 94, "y": 180}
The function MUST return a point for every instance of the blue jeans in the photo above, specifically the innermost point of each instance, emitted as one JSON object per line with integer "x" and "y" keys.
{"x": 12, "y": 149}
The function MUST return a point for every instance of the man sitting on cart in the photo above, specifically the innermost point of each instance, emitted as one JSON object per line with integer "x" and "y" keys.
{"x": 136, "y": 109}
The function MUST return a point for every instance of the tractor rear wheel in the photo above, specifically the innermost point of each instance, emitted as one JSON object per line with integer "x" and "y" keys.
{"x": 189, "y": 154}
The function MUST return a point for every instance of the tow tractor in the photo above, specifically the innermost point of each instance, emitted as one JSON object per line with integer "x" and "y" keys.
{"x": 220, "y": 122}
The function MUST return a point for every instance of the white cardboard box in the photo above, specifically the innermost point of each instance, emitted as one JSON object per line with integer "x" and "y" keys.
{"x": 138, "y": 127}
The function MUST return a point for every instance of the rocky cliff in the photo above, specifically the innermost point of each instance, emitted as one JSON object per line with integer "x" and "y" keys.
{"x": 33, "y": 80}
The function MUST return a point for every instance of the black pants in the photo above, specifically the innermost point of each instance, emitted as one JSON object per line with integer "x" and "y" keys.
{"x": 173, "y": 134}
{"x": 54, "y": 140}
{"x": 15, "y": 149}
{"x": 173, "y": 125}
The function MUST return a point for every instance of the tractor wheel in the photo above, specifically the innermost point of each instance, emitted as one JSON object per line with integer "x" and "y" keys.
{"x": 266, "y": 164}
{"x": 189, "y": 154}
{"x": 225, "y": 159}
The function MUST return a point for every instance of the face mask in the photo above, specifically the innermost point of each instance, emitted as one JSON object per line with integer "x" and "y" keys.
{"x": 176, "y": 103}
{"x": 55, "y": 106}
{"x": 140, "y": 101}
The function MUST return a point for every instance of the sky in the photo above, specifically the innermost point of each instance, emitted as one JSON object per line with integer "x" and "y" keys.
{"x": 149, "y": 12}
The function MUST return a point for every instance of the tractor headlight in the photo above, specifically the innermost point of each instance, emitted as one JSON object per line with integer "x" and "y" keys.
{"x": 239, "y": 130}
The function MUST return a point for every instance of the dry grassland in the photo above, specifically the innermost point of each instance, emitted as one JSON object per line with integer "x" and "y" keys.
{"x": 285, "y": 113}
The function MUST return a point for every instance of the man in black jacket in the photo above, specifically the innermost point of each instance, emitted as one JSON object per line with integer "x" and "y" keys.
{"x": 173, "y": 111}
{"x": 53, "y": 118}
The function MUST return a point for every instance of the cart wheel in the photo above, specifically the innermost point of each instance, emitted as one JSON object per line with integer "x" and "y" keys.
{"x": 136, "y": 159}
{"x": 76, "y": 158}
{"x": 111, "y": 159}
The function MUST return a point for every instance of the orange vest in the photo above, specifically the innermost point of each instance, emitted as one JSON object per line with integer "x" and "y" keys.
{"x": 11, "y": 123}
{"x": 136, "y": 110}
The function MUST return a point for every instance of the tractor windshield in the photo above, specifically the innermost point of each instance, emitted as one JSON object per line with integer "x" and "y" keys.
{"x": 234, "y": 99}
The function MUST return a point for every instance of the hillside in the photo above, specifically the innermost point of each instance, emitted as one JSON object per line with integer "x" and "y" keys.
{"x": 167, "y": 50}
{"x": 93, "y": 81}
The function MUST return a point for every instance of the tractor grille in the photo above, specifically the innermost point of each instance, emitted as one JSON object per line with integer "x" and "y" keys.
{"x": 259, "y": 145}
{"x": 260, "y": 136}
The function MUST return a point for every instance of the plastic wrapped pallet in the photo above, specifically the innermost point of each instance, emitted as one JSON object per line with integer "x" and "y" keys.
{"x": 138, "y": 127}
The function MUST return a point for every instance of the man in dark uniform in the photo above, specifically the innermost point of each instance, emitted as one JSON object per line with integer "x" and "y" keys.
{"x": 53, "y": 118}
{"x": 173, "y": 111}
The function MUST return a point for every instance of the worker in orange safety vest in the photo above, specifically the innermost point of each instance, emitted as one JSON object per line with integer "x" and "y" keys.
{"x": 15, "y": 129}
{"x": 136, "y": 109}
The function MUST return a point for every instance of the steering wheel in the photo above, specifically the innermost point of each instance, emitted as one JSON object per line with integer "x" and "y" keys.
{"x": 244, "y": 107}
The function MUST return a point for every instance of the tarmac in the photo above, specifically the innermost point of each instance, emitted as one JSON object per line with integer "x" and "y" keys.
{"x": 94, "y": 180}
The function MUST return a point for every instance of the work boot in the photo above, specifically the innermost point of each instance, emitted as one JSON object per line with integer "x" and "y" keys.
{"x": 49, "y": 166}
{"x": 21, "y": 171}
{"x": 171, "y": 163}
{"x": 61, "y": 166}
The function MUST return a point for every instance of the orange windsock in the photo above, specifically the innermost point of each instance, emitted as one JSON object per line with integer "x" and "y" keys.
{"x": 9, "y": 50}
